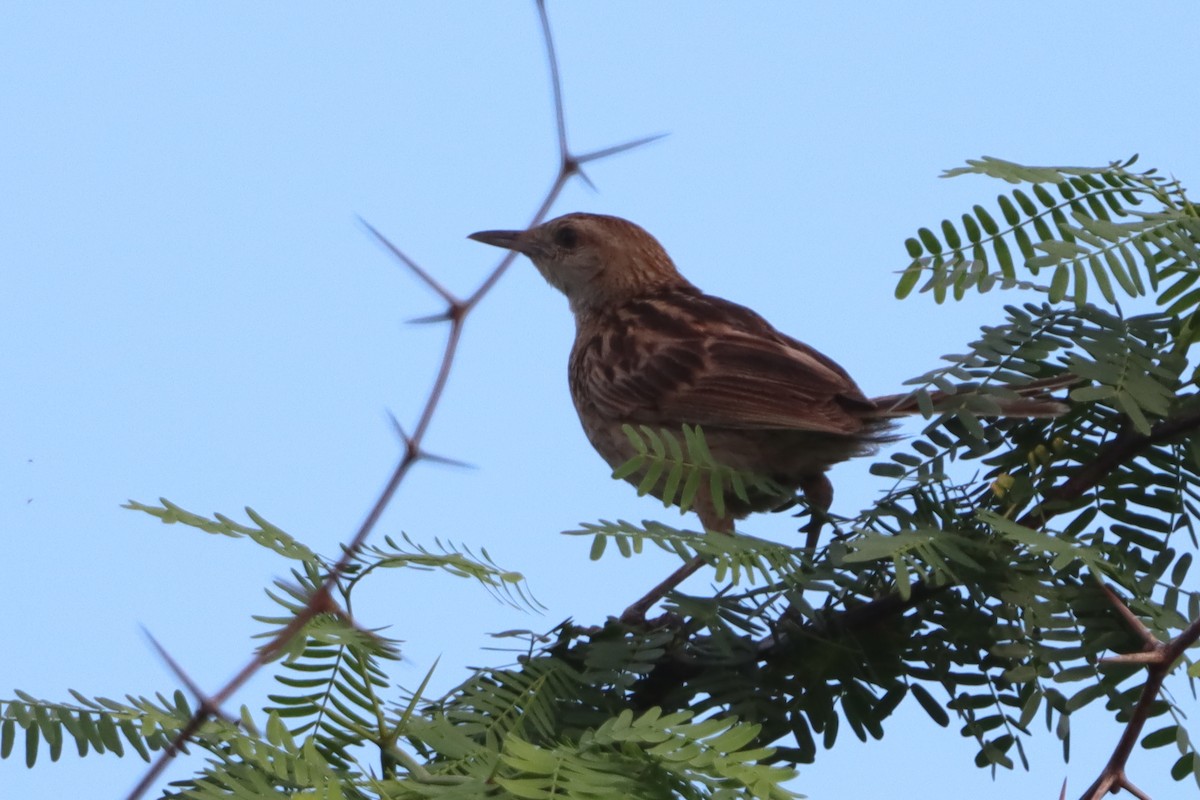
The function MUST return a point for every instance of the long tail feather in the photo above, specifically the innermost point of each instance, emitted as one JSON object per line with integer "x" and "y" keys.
{"x": 1031, "y": 400}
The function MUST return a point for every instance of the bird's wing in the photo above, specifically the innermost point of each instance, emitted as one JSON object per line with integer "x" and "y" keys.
{"x": 722, "y": 366}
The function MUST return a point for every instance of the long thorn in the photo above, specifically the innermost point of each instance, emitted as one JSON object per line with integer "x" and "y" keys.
{"x": 617, "y": 148}
{"x": 452, "y": 462}
{"x": 398, "y": 428}
{"x": 408, "y": 262}
{"x": 184, "y": 678}
{"x": 441, "y": 316}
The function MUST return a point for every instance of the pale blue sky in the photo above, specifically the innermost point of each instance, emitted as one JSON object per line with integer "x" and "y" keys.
{"x": 189, "y": 309}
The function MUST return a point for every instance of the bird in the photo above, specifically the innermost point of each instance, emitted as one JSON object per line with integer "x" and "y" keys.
{"x": 653, "y": 349}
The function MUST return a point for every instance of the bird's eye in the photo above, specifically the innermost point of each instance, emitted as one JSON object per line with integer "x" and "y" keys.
{"x": 566, "y": 237}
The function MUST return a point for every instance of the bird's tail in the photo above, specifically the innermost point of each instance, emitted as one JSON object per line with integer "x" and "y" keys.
{"x": 1030, "y": 400}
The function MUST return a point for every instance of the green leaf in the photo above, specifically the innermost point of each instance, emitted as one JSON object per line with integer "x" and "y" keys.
{"x": 1024, "y": 244}
{"x": 1011, "y": 215}
{"x": 1127, "y": 403}
{"x": 1161, "y": 737}
{"x": 1101, "y": 278}
{"x": 1059, "y": 284}
{"x": 1180, "y": 569}
{"x": 650, "y": 480}
{"x": 599, "y": 543}
{"x": 31, "y": 745}
{"x": 1090, "y": 394}
{"x": 908, "y": 279}
{"x": 886, "y": 470}
{"x": 1185, "y": 304}
{"x": 691, "y": 486}
{"x": 985, "y": 219}
{"x": 930, "y": 241}
{"x": 1005, "y": 258}
{"x": 1117, "y": 268}
{"x": 1180, "y": 286}
{"x": 950, "y": 235}
{"x": 934, "y": 709}
{"x": 1044, "y": 196}
{"x": 1086, "y": 695}
{"x": 1081, "y": 283}
{"x": 972, "y": 229}
{"x": 903, "y": 584}
{"x": 716, "y": 492}
{"x": 1027, "y": 205}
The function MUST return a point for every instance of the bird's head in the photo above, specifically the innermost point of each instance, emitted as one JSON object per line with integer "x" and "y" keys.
{"x": 595, "y": 260}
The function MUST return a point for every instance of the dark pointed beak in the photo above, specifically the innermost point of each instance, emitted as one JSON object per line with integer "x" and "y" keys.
{"x": 509, "y": 240}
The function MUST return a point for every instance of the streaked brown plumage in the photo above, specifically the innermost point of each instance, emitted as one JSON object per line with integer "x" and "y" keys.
{"x": 650, "y": 348}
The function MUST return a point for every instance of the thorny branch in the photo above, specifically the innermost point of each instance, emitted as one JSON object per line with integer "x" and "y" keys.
{"x": 1159, "y": 658}
{"x": 457, "y": 309}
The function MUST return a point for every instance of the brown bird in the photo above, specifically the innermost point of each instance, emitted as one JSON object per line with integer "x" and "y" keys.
{"x": 652, "y": 349}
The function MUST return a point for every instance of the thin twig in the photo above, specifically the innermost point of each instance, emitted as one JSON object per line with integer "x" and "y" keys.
{"x": 1124, "y": 447}
{"x": 429, "y": 280}
{"x": 1159, "y": 658}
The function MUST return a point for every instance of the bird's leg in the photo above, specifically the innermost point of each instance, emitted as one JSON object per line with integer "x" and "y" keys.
{"x": 636, "y": 613}
{"x": 818, "y": 493}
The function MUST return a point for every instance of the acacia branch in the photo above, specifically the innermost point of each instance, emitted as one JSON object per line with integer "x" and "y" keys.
{"x": 456, "y": 312}
{"x": 1125, "y": 447}
{"x": 1159, "y": 659}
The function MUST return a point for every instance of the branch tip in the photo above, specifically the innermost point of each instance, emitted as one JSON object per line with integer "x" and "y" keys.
{"x": 596, "y": 155}
{"x": 398, "y": 428}
{"x": 205, "y": 706}
{"x": 416, "y": 268}
{"x": 441, "y": 316}
{"x": 583, "y": 176}
{"x": 453, "y": 462}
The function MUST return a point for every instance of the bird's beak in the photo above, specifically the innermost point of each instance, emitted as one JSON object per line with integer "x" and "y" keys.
{"x": 509, "y": 240}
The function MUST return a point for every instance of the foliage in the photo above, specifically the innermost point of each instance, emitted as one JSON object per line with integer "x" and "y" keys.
{"x": 977, "y": 574}
{"x": 676, "y": 472}
{"x": 512, "y": 729}
{"x": 972, "y": 586}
